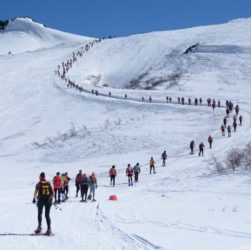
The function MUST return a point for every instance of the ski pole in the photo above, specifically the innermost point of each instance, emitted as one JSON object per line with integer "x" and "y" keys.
{"x": 57, "y": 207}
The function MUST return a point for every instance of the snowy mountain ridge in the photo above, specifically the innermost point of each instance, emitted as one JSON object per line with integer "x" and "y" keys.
{"x": 23, "y": 34}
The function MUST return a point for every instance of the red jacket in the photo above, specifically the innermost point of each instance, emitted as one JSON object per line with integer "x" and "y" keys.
{"x": 112, "y": 172}
{"x": 57, "y": 182}
{"x": 78, "y": 178}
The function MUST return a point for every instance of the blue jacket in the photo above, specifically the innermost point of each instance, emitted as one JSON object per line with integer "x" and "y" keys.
{"x": 85, "y": 181}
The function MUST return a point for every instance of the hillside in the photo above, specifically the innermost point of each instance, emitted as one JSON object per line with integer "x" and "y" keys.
{"x": 48, "y": 126}
{"x": 157, "y": 60}
{"x": 23, "y": 34}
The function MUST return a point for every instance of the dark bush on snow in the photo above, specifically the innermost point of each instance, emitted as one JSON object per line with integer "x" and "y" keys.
{"x": 218, "y": 166}
{"x": 3, "y": 24}
{"x": 247, "y": 156}
{"x": 234, "y": 158}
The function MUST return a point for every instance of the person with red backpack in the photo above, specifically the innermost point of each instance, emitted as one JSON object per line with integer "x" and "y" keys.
{"x": 44, "y": 193}
{"x": 78, "y": 182}
{"x": 57, "y": 183}
{"x": 93, "y": 186}
{"x": 210, "y": 141}
{"x": 129, "y": 173}
{"x": 112, "y": 174}
{"x": 201, "y": 149}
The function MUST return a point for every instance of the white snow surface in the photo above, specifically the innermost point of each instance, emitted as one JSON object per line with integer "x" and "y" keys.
{"x": 23, "y": 34}
{"x": 184, "y": 205}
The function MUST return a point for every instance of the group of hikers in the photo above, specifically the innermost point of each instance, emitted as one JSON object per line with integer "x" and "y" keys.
{"x": 66, "y": 66}
{"x": 197, "y": 101}
{"x": 229, "y": 108}
{"x": 201, "y": 146}
{"x": 45, "y": 193}
{"x": 236, "y": 116}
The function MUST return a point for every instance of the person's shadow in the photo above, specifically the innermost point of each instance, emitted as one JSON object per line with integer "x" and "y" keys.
{"x": 14, "y": 234}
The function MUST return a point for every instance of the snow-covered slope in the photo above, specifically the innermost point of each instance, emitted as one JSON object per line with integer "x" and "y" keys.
{"x": 23, "y": 34}
{"x": 45, "y": 126}
{"x": 156, "y": 60}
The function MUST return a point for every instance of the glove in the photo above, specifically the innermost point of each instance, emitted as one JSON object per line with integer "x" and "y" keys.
{"x": 34, "y": 201}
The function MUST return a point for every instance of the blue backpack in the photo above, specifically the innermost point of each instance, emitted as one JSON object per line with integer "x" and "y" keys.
{"x": 84, "y": 181}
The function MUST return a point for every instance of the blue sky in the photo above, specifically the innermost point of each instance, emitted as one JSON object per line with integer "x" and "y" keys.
{"x": 98, "y": 18}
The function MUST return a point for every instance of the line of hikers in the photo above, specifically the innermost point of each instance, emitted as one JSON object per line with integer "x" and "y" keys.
{"x": 210, "y": 102}
{"x": 66, "y": 66}
{"x": 228, "y": 128}
{"x": 201, "y": 146}
{"x": 229, "y": 108}
{"x": 133, "y": 171}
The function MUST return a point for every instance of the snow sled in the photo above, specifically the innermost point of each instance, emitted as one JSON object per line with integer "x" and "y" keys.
{"x": 113, "y": 197}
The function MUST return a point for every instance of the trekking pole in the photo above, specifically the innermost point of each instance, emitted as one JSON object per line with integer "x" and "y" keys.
{"x": 57, "y": 207}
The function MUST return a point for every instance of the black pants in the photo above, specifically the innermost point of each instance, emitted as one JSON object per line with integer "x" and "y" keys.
{"x": 210, "y": 144}
{"x": 201, "y": 151}
{"x": 130, "y": 180}
{"x": 66, "y": 191}
{"x": 152, "y": 167}
{"x": 44, "y": 202}
{"x": 77, "y": 187}
{"x": 136, "y": 176}
{"x": 84, "y": 191}
{"x": 113, "y": 180}
{"x": 57, "y": 193}
{"x": 191, "y": 152}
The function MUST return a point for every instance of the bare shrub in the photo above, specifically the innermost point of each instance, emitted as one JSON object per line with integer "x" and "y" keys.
{"x": 72, "y": 131}
{"x": 56, "y": 141}
{"x": 107, "y": 124}
{"x": 234, "y": 158}
{"x": 247, "y": 156}
{"x": 118, "y": 122}
{"x": 218, "y": 166}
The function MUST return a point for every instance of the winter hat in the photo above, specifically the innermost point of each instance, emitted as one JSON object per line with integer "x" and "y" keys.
{"x": 42, "y": 176}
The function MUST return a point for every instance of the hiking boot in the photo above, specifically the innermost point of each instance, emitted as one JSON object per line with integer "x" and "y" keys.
{"x": 38, "y": 230}
{"x": 48, "y": 232}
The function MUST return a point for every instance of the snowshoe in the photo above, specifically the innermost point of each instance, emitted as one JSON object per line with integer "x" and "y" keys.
{"x": 38, "y": 230}
{"x": 48, "y": 233}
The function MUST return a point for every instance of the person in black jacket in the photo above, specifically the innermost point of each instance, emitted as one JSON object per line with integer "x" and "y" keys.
{"x": 44, "y": 193}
